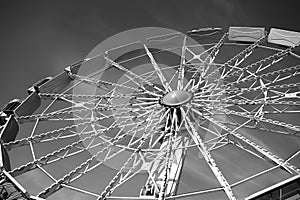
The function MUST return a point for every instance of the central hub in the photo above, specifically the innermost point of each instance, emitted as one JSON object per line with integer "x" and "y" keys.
{"x": 176, "y": 98}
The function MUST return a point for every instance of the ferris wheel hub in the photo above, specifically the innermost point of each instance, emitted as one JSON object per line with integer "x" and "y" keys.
{"x": 176, "y": 98}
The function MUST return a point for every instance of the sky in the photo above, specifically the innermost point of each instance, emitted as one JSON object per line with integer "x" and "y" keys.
{"x": 39, "y": 38}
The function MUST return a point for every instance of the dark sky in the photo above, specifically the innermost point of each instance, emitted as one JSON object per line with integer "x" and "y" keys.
{"x": 39, "y": 38}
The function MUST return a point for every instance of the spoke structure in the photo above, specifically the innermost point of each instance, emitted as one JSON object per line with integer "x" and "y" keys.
{"x": 221, "y": 97}
{"x": 209, "y": 159}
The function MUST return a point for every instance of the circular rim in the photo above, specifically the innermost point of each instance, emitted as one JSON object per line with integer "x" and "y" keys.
{"x": 119, "y": 119}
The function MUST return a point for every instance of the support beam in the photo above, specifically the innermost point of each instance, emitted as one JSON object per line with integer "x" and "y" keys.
{"x": 208, "y": 158}
{"x": 160, "y": 75}
{"x": 279, "y": 161}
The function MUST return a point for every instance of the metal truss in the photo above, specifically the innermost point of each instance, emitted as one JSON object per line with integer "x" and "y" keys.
{"x": 237, "y": 90}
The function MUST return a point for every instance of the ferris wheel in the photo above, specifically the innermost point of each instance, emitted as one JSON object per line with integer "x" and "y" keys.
{"x": 210, "y": 114}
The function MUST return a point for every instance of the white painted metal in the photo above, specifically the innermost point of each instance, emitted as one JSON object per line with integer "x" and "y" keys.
{"x": 219, "y": 103}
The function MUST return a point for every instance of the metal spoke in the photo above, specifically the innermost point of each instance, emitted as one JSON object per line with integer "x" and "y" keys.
{"x": 161, "y": 76}
{"x": 209, "y": 159}
{"x": 83, "y": 167}
{"x": 108, "y": 190}
{"x": 134, "y": 75}
{"x": 206, "y": 63}
{"x": 182, "y": 65}
{"x": 261, "y": 64}
{"x": 136, "y": 124}
{"x": 279, "y": 161}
